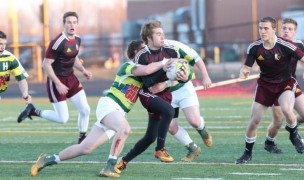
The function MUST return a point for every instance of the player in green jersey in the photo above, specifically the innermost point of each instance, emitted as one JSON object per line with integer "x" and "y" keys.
{"x": 9, "y": 64}
{"x": 110, "y": 113}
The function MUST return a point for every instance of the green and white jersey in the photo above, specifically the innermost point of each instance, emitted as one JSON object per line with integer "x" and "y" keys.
{"x": 10, "y": 64}
{"x": 186, "y": 53}
{"x": 125, "y": 88}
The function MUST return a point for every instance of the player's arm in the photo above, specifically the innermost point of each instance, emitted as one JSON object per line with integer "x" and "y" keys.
{"x": 250, "y": 59}
{"x": 21, "y": 75}
{"x": 202, "y": 67}
{"x": 151, "y": 79}
{"x": 78, "y": 65}
{"x": 48, "y": 69}
{"x": 181, "y": 76}
{"x": 144, "y": 70}
{"x": 302, "y": 62}
{"x": 23, "y": 86}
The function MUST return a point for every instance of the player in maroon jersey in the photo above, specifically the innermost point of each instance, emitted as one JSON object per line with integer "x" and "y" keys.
{"x": 158, "y": 105}
{"x": 273, "y": 55}
{"x": 289, "y": 30}
{"x": 62, "y": 84}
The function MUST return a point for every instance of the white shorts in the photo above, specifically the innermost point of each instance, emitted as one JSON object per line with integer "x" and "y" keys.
{"x": 185, "y": 96}
{"x": 105, "y": 106}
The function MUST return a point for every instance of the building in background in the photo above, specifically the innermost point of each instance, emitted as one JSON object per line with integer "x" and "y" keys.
{"x": 215, "y": 28}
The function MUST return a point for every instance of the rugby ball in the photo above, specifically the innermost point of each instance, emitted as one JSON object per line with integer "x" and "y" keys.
{"x": 176, "y": 66}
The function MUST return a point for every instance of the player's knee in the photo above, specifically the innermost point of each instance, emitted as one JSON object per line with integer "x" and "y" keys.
{"x": 278, "y": 124}
{"x": 85, "y": 111}
{"x": 169, "y": 113}
{"x": 126, "y": 130}
{"x": 194, "y": 122}
{"x": 254, "y": 123}
{"x": 63, "y": 119}
{"x": 173, "y": 129}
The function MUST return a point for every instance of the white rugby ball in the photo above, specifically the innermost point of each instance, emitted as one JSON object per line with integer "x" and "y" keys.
{"x": 175, "y": 67}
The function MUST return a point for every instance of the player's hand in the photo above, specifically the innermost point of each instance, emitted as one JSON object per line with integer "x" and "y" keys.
{"x": 206, "y": 82}
{"x": 28, "y": 99}
{"x": 244, "y": 75}
{"x": 87, "y": 74}
{"x": 303, "y": 76}
{"x": 168, "y": 64}
{"x": 244, "y": 72}
{"x": 182, "y": 75}
{"x": 62, "y": 89}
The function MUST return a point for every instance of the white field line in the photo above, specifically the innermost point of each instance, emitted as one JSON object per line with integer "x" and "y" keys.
{"x": 157, "y": 163}
{"x": 196, "y": 178}
{"x": 291, "y": 169}
{"x": 256, "y": 174}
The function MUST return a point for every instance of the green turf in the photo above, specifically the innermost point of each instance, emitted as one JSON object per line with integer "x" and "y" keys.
{"x": 226, "y": 118}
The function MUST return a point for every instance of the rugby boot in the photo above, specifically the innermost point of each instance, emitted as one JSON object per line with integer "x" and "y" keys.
{"x": 26, "y": 113}
{"x": 163, "y": 155}
{"x": 120, "y": 166}
{"x": 206, "y": 136}
{"x": 272, "y": 148}
{"x": 193, "y": 152}
{"x": 295, "y": 139}
{"x": 43, "y": 161}
{"x": 109, "y": 171}
{"x": 244, "y": 158}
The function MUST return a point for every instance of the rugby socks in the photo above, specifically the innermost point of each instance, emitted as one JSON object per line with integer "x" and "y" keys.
{"x": 202, "y": 126}
{"x": 57, "y": 159}
{"x": 292, "y": 129}
{"x": 112, "y": 157}
{"x": 249, "y": 144}
{"x": 35, "y": 112}
{"x": 182, "y": 136}
{"x": 269, "y": 140}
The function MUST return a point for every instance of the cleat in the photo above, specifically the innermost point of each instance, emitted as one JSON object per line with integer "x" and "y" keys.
{"x": 163, "y": 155}
{"x": 272, "y": 148}
{"x": 82, "y": 136}
{"x": 244, "y": 158}
{"x": 192, "y": 154}
{"x": 105, "y": 172}
{"x": 206, "y": 136}
{"x": 120, "y": 166}
{"x": 43, "y": 161}
{"x": 26, "y": 113}
{"x": 296, "y": 140}
{"x": 109, "y": 171}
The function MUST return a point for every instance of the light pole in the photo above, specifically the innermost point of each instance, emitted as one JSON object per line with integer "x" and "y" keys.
{"x": 14, "y": 17}
{"x": 45, "y": 18}
{"x": 254, "y": 20}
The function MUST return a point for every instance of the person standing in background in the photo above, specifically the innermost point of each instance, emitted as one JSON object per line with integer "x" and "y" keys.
{"x": 289, "y": 30}
{"x": 273, "y": 55}
{"x": 62, "y": 84}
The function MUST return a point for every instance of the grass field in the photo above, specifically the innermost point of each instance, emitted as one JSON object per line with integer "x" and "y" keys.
{"x": 226, "y": 118}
